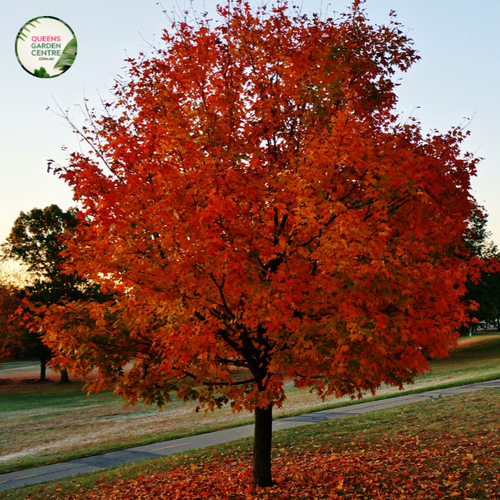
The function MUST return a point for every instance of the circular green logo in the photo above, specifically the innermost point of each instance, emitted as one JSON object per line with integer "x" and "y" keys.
{"x": 46, "y": 47}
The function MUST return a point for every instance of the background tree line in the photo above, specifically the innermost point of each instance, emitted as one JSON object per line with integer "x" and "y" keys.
{"x": 485, "y": 292}
{"x": 37, "y": 242}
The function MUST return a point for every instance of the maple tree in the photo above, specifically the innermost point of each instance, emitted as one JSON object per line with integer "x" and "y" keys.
{"x": 261, "y": 214}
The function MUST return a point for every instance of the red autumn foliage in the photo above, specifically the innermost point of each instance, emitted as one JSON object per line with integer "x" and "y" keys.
{"x": 260, "y": 214}
{"x": 11, "y": 328}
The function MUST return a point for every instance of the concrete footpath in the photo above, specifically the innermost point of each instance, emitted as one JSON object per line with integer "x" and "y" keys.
{"x": 100, "y": 462}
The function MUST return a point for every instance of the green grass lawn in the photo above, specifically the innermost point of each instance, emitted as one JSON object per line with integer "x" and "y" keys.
{"x": 477, "y": 356}
{"x": 48, "y": 423}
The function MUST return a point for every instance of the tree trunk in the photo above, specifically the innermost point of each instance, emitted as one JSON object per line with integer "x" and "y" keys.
{"x": 262, "y": 446}
{"x": 65, "y": 377}
{"x": 43, "y": 369}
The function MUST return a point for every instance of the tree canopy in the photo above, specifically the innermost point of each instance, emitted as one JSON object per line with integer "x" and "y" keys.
{"x": 262, "y": 214}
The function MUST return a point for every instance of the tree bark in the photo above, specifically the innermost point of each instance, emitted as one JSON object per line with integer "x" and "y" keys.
{"x": 65, "y": 377}
{"x": 262, "y": 446}
{"x": 43, "y": 369}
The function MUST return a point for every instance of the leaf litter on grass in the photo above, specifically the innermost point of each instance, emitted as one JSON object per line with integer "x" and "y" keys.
{"x": 447, "y": 448}
{"x": 407, "y": 467}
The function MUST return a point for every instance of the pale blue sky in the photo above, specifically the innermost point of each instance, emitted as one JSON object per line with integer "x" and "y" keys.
{"x": 457, "y": 78}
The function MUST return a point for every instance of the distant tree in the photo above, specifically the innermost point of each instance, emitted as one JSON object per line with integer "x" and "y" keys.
{"x": 485, "y": 291}
{"x": 260, "y": 212}
{"x": 11, "y": 328}
{"x": 36, "y": 241}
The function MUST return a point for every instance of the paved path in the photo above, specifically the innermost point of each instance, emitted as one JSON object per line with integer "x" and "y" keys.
{"x": 99, "y": 462}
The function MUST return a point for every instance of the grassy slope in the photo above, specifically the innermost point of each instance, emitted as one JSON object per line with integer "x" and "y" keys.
{"x": 32, "y": 420}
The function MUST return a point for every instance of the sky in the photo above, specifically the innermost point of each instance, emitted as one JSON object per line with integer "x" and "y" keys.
{"x": 456, "y": 83}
